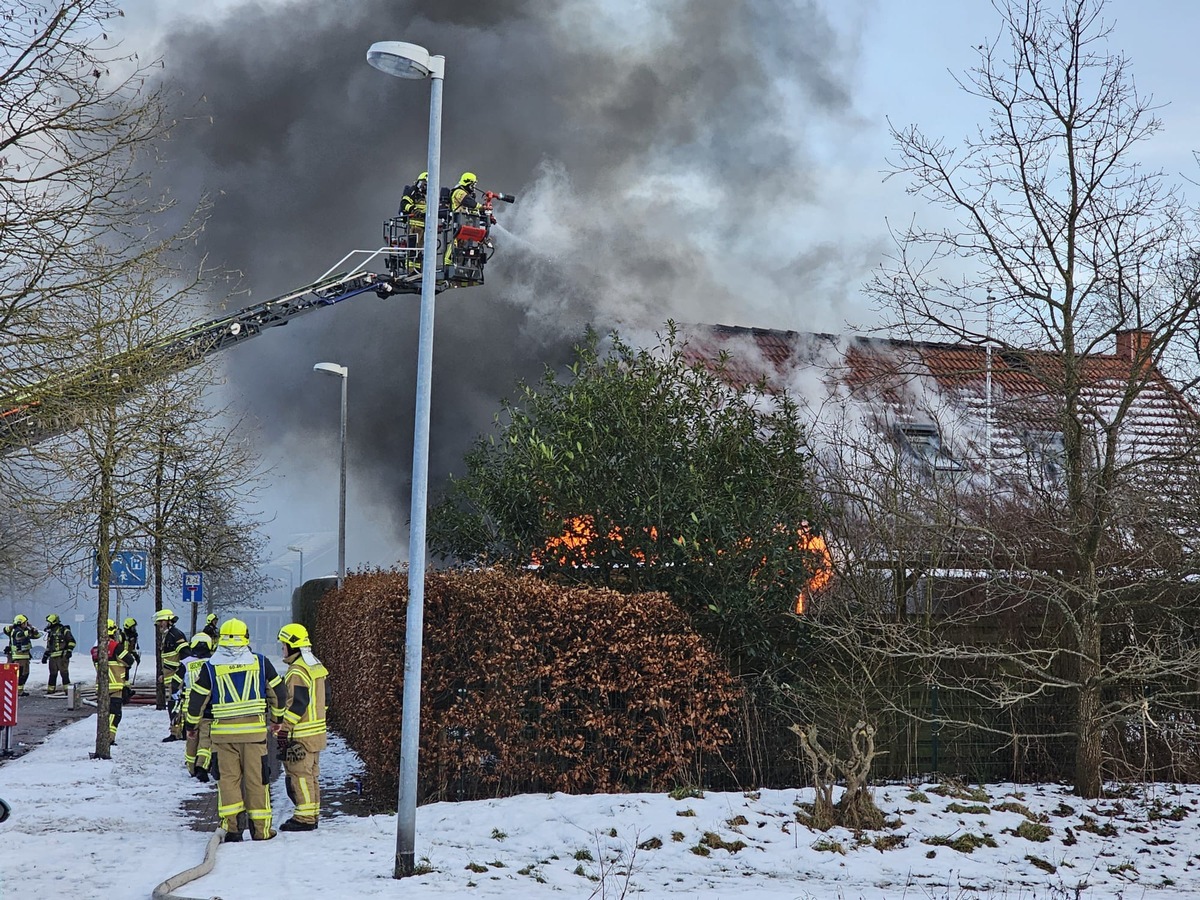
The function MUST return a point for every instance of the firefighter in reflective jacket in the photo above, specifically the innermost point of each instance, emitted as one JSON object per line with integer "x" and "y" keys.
{"x": 172, "y": 641}
{"x": 241, "y": 687}
{"x": 197, "y": 753}
{"x": 301, "y": 734}
{"x": 20, "y": 648}
{"x": 412, "y": 206}
{"x": 60, "y": 644}
{"x": 119, "y": 661}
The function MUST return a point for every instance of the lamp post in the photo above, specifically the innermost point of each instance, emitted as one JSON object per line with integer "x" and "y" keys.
{"x": 343, "y": 373}
{"x": 299, "y": 550}
{"x": 413, "y": 61}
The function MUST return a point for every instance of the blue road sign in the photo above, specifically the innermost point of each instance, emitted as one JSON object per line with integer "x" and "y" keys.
{"x": 193, "y": 587}
{"x": 129, "y": 569}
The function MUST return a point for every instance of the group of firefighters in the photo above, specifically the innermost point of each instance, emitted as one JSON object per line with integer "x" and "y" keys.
{"x": 225, "y": 699}
{"x": 413, "y": 205}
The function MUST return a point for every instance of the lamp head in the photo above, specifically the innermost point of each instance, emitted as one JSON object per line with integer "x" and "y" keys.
{"x": 404, "y": 60}
{"x": 332, "y": 369}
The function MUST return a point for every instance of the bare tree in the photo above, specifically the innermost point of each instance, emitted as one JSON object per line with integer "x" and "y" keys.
{"x": 1063, "y": 245}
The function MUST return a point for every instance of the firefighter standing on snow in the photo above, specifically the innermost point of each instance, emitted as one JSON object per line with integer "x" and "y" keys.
{"x": 119, "y": 661}
{"x": 20, "y": 648}
{"x": 197, "y": 753}
{"x": 241, "y": 685}
{"x": 60, "y": 643}
{"x": 172, "y": 641}
{"x": 302, "y": 731}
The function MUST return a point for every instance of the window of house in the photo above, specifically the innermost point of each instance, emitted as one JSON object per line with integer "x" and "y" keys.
{"x": 1046, "y": 453}
{"x": 924, "y": 444}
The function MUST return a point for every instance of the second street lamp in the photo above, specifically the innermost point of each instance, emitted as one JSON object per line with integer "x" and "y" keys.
{"x": 299, "y": 550}
{"x": 343, "y": 373}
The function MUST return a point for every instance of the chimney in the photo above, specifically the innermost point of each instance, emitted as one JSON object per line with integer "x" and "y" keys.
{"x": 1132, "y": 343}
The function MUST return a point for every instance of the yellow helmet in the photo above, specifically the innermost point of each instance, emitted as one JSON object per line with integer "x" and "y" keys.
{"x": 112, "y": 626}
{"x": 468, "y": 178}
{"x": 212, "y": 617}
{"x": 202, "y": 639}
{"x": 294, "y": 636}
{"x": 424, "y": 176}
{"x": 130, "y": 622}
{"x": 19, "y": 619}
{"x": 234, "y": 633}
{"x": 52, "y": 619}
{"x": 165, "y": 615}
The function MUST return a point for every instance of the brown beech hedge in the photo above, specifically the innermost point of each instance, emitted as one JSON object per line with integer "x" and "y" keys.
{"x": 527, "y": 686}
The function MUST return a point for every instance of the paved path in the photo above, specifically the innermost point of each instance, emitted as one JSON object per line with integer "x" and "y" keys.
{"x": 40, "y": 714}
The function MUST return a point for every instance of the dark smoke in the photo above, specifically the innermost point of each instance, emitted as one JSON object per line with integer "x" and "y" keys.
{"x": 654, "y": 155}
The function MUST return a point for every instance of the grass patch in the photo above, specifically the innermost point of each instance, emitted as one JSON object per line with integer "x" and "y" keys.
{"x": 475, "y": 867}
{"x": 498, "y": 835}
{"x": 1042, "y": 864}
{"x": 685, "y": 812}
{"x": 1034, "y": 831}
{"x": 686, "y": 792}
{"x": 888, "y": 842}
{"x": 825, "y": 845}
{"x": 1090, "y": 825}
{"x": 716, "y": 842}
{"x": 957, "y": 790}
{"x": 964, "y": 843}
{"x": 701, "y": 850}
{"x": 738, "y": 821}
{"x": 584, "y": 854}
{"x": 1014, "y": 806}
{"x": 1062, "y": 810}
{"x": 918, "y": 797}
{"x": 652, "y": 844}
{"x": 1175, "y": 814}
{"x": 677, "y": 836}
{"x": 972, "y": 809}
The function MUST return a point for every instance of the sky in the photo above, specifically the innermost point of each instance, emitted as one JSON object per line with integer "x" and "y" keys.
{"x": 116, "y": 828}
{"x": 702, "y": 162}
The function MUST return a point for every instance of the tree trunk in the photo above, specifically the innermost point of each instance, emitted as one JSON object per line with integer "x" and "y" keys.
{"x": 1087, "y": 717}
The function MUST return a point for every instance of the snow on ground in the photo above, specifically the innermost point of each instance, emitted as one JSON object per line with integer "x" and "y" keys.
{"x": 115, "y": 828}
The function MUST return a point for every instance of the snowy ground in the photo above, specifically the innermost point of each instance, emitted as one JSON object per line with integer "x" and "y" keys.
{"x": 115, "y": 828}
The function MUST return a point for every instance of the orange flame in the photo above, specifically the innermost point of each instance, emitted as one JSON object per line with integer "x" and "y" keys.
{"x": 580, "y": 531}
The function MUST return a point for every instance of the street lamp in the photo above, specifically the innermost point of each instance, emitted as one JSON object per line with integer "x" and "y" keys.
{"x": 413, "y": 61}
{"x": 299, "y": 550}
{"x": 344, "y": 374}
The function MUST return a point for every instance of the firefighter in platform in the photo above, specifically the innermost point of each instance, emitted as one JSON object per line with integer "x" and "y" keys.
{"x": 119, "y": 661}
{"x": 462, "y": 199}
{"x": 197, "y": 754}
{"x": 211, "y": 628}
{"x": 243, "y": 688}
{"x": 301, "y": 734}
{"x": 19, "y": 651}
{"x": 60, "y": 644}
{"x": 172, "y": 641}
{"x": 412, "y": 207}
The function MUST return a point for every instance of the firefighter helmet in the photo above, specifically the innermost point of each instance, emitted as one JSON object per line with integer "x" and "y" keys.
{"x": 202, "y": 639}
{"x": 468, "y": 178}
{"x": 234, "y": 633}
{"x": 130, "y": 622}
{"x": 294, "y": 636}
{"x": 424, "y": 176}
{"x": 112, "y": 627}
{"x": 165, "y": 615}
{"x": 52, "y": 619}
{"x": 212, "y": 618}
{"x": 20, "y": 619}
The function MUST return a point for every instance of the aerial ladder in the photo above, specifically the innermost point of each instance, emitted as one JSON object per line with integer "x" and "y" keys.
{"x": 61, "y": 403}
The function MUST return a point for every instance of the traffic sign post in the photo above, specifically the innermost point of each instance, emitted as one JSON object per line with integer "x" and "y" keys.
{"x": 193, "y": 587}
{"x": 129, "y": 569}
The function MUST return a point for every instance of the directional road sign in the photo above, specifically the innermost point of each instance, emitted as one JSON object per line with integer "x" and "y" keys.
{"x": 129, "y": 569}
{"x": 193, "y": 587}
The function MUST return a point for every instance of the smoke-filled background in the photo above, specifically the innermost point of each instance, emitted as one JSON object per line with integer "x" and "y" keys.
{"x": 698, "y": 161}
